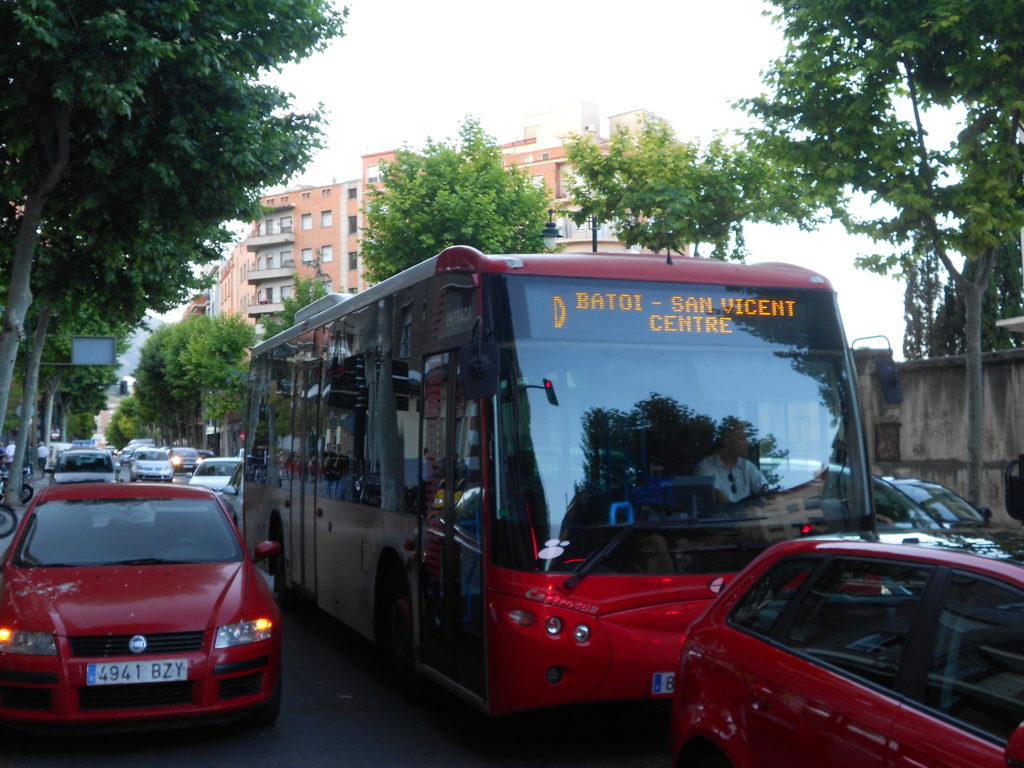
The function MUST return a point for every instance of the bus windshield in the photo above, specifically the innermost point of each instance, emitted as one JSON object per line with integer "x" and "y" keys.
{"x": 661, "y": 428}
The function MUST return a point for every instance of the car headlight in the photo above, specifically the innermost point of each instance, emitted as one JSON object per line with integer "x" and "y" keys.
{"x": 243, "y": 633}
{"x": 29, "y": 643}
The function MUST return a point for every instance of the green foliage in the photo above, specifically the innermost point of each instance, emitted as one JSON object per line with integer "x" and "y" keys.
{"x": 850, "y": 103}
{"x": 450, "y": 194}
{"x": 131, "y": 132}
{"x": 304, "y": 293}
{"x": 82, "y": 426}
{"x": 125, "y": 423}
{"x": 665, "y": 194}
{"x": 197, "y": 366}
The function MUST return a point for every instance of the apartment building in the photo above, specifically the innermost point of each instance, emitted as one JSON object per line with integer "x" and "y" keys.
{"x": 310, "y": 231}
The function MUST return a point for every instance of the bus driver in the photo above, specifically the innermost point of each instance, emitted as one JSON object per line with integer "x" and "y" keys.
{"x": 735, "y": 475}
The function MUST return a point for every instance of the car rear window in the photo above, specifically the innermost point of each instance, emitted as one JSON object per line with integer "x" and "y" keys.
{"x": 84, "y": 462}
{"x": 151, "y": 456}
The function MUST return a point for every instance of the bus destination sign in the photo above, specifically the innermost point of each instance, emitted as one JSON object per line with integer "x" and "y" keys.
{"x": 667, "y": 313}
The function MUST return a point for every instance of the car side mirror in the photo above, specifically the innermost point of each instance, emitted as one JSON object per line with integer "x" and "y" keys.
{"x": 1013, "y": 487}
{"x": 230, "y": 490}
{"x": 266, "y": 550}
{"x": 985, "y": 512}
{"x": 1014, "y": 754}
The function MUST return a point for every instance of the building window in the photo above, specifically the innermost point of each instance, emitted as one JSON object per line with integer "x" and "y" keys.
{"x": 545, "y": 155}
{"x": 326, "y": 192}
{"x": 326, "y": 253}
{"x": 307, "y": 221}
{"x": 352, "y": 193}
{"x": 527, "y": 159}
{"x": 270, "y": 261}
{"x": 352, "y": 225}
{"x": 328, "y": 285}
{"x": 326, "y": 218}
{"x": 372, "y": 174}
{"x": 286, "y": 259}
{"x": 307, "y": 255}
{"x": 268, "y": 227}
{"x": 305, "y": 195}
{"x": 269, "y": 295}
{"x": 286, "y": 223}
{"x": 286, "y": 292}
{"x": 353, "y": 259}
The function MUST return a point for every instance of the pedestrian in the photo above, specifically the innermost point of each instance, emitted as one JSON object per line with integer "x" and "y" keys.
{"x": 42, "y": 454}
{"x": 9, "y": 452}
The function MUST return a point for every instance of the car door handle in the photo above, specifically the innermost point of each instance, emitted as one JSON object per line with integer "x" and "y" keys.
{"x": 760, "y": 698}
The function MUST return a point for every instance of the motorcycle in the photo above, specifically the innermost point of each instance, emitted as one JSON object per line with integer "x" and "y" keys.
{"x": 26, "y": 490}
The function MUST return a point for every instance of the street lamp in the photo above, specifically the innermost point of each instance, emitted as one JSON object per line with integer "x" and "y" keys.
{"x": 550, "y": 234}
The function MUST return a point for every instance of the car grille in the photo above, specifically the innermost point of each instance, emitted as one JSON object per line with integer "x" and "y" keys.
{"x": 244, "y": 685}
{"x": 135, "y": 696}
{"x": 117, "y": 645}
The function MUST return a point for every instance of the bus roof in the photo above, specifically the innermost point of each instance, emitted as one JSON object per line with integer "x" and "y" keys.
{"x": 632, "y": 266}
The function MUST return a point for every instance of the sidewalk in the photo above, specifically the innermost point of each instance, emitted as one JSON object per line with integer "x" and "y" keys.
{"x": 37, "y": 483}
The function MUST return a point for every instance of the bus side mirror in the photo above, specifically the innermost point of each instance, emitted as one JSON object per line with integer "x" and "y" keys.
{"x": 478, "y": 370}
{"x": 1014, "y": 488}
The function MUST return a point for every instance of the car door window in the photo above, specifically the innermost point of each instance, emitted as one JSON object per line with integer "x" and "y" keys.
{"x": 976, "y": 674}
{"x": 857, "y": 615}
{"x": 761, "y": 606}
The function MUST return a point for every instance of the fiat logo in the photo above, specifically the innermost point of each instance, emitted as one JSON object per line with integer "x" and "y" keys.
{"x": 137, "y": 644}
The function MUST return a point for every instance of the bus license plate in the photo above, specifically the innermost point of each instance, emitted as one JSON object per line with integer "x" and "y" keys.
{"x": 127, "y": 672}
{"x": 663, "y": 683}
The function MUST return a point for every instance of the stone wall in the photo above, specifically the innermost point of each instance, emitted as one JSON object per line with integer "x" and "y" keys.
{"x": 925, "y": 435}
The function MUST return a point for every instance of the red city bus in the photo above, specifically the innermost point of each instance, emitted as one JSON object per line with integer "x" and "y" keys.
{"x": 508, "y": 470}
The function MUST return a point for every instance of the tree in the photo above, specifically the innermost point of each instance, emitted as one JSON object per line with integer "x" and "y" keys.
{"x": 450, "y": 194}
{"x": 665, "y": 194}
{"x": 188, "y": 368}
{"x": 935, "y": 311}
{"x": 304, "y": 292}
{"x": 136, "y": 129}
{"x": 124, "y": 423}
{"x": 856, "y": 106}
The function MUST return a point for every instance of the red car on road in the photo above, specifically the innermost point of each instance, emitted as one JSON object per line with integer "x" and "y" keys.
{"x": 852, "y": 653}
{"x": 134, "y": 605}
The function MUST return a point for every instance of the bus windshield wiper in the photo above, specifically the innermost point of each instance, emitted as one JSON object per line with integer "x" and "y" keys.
{"x": 580, "y": 571}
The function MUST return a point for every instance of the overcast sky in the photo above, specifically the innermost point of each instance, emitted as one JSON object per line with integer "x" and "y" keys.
{"x": 407, "y": 70}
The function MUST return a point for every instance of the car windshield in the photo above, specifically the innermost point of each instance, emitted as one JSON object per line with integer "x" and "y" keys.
{"x": 942, "y": 502}
{"x": 151, "y": 455}
{"x": 617, "y": 405}
{"x": 141, "y": 531}
{"x": 215, "y": 468}
{"x": 186, "y": 452}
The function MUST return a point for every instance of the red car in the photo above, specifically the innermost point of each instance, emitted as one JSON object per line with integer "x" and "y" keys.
{"x": 125, "y": 605}
{"x": 851, "y": 653}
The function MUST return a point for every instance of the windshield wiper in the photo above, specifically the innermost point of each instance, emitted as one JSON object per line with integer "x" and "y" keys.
{"x": 580, "y": 571}
{"x": 144, "y": 561}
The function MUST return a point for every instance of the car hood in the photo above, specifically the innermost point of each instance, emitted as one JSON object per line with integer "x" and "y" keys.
{"x": 125, "y": 599}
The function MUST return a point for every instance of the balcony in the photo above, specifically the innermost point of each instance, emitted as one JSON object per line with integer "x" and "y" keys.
{"x": 267, "y": 308}
{"x": 256, "y": 242}
{"x": 257, "y": 275}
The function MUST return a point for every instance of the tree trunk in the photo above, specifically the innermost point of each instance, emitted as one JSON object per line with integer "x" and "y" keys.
{"x": 25, "y": 440}
{"x": 973, "y": 294}
{"x": 19, "y": 290}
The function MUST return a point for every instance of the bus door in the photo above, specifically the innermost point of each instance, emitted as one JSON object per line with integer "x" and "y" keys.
{"x": 304, "y": 475}
{"x": 451, "y": 531}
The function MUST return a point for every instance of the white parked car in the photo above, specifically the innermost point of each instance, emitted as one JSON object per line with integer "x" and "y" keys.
{"x": 214, "y": 473}
{"x": 152, "y": 464}
{"x": 84, "y": 465}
